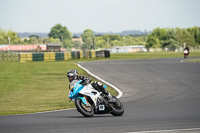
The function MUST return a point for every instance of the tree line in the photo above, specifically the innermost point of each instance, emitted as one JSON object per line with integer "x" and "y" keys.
{"x": 171, "y": 38}
{"x": 174, "y": 38}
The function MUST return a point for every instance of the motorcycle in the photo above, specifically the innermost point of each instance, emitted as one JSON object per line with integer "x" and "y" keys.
{"x": 186, "y": 53}
{"x": 89, "y": 101}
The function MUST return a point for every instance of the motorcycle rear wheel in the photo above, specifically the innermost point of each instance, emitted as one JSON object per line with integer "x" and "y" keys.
{"x": 185, "y": 56}
{"x": 83, "y": 109}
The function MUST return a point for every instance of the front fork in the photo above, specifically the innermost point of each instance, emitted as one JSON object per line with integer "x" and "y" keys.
{"x": 84, "y": 99}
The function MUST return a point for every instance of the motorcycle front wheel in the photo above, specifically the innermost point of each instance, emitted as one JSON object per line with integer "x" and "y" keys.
{"x": 117, "y": 108}
{"x": 87, "y": 111}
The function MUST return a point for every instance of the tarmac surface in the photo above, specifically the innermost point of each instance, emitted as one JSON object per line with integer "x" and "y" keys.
{"x": 159, "y": 95}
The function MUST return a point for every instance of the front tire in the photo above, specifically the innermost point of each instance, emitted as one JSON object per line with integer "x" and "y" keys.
{"x": 117, "y": 108}
{"x": 83, "y": 109}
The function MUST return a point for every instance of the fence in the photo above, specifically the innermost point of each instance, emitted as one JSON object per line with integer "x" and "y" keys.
{"x": 9, "y": 56}
{"x": 102, "y": 53}
{"x": 48, "y": 56}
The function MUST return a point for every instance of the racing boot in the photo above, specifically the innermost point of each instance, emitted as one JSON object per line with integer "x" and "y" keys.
{"x": 108, "y": 96}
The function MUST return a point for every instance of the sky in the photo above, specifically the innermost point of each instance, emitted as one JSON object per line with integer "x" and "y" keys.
{"x": 98, "y": 15}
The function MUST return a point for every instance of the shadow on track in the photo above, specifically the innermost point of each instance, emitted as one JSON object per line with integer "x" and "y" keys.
{"x": 95, "y": 116}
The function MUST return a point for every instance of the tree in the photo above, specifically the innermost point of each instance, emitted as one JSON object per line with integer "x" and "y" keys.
{"x": 52, "y": 40}
{"x": 67, "y": 44}
{"x": 157, "y": 38}
{"x": 14, "y": 39}
{"x": 34, "y": 36}
{"x": 34, "y": 40}
{"x": 76, "y": 44}
{"x": 171, "y": 42}
{"x": 195, "y": 32}
{"x": 153, "y": 42}
{"x": 61, "y": 32}
{"x": 183, "y": 36}
{"x": 88, "y": 39}
{"x": 117, "y": 43}
{"x": 100, "y": 42}
{"x": 111, "y": 37}
{"x": 3, "y": 37}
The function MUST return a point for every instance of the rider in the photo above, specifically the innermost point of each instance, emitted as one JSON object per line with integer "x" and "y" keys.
{"x": 186, "y": 48}
{"x": 73, "y": 79}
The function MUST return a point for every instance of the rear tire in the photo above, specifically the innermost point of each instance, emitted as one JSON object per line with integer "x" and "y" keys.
{"x": 117, "y": 108}
{"x": 185, "y": 56}
{"x": 84, "y": 110}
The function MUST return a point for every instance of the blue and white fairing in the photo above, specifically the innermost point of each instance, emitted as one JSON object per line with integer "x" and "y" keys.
{"x": 86, "y": 90}
{"x": 74, "y": 92}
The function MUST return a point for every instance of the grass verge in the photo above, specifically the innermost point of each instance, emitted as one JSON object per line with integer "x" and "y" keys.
{"x": 192, "y": 60}
{"x": 35, "y": 86}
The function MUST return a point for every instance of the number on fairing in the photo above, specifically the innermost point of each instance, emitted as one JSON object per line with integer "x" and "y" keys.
{"x": 101, "y": 107}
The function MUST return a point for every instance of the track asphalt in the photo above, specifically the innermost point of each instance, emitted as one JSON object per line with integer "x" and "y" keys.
{"x": 158, "y": 94}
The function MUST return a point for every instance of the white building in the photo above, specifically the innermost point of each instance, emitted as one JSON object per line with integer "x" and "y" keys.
{"x": 127, "y": 49}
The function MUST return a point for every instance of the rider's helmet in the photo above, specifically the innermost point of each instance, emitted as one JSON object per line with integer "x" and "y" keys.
{"x": 72, "y": 75}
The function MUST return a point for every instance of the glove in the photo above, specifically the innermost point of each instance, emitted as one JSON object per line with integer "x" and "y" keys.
{"x": 86, "y": 81}
{"x": 82, "y": 77}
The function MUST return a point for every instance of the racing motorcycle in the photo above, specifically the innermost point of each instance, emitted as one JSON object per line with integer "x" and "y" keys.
{"x": 186, "y": 52}
{"x": 89, "y": 101}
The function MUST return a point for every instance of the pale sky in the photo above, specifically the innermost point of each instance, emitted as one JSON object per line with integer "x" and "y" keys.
{"x": 98, "y": 15}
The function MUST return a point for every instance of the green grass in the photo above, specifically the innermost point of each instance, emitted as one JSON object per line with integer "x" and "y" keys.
{"x": 43, "y": 86}
{"x": 192, "y": 60}
{"x": 35, "y": 86}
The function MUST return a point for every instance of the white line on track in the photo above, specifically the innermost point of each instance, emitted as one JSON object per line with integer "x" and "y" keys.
{"x": 192, "y": 130}
{"x": 119, "y": 92}
{"x": 41, "y": 112}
